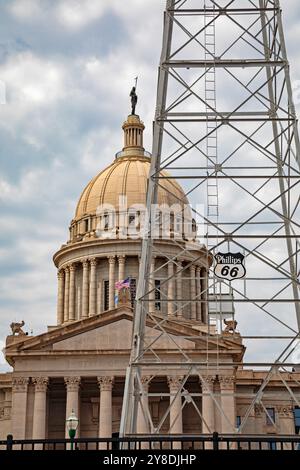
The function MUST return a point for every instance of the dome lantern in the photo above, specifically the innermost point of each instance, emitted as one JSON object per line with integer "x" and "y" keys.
{"x": 133, "y": 136}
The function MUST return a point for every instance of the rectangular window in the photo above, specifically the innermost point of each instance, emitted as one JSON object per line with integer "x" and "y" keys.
{"x": 297, "y": 419}
{"x": 106, "y": 294}
{"x": 157, "y": 295}
{"x": 106, "y": 221}
{"x": 132, "y": 291}
{"x": 178, "y": 227}
{"x": 86, "y": 225}
{"x": 270, "y": 417}
{"x": 131, "y": 219}
{"x": 238, "y": 421}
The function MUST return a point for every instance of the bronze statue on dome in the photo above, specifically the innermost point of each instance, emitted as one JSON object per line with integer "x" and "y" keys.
{"x": 134, "y": 97}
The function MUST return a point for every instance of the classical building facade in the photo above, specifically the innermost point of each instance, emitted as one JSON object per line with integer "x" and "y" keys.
{"x": 80, "y": 363}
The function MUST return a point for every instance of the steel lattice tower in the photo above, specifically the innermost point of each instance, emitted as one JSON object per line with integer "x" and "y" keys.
{"x": 226, "y": 128}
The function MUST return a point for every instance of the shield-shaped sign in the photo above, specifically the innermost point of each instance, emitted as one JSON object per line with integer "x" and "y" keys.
{"x": 229, "y": 266}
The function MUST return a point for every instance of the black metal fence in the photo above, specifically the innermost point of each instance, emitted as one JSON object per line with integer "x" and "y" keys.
{"x": 213, "y": 441}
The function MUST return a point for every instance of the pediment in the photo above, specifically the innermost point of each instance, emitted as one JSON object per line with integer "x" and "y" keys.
{"x": 111, "y": 331}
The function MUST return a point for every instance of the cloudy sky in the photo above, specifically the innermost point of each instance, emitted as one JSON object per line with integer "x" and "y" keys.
{"x": 68, "y": 66}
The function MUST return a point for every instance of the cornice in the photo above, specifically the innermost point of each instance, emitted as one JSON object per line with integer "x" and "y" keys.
{"x": 70, "y": 247}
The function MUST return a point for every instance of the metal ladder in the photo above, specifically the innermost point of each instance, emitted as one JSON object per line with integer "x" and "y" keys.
{"x": 211, "y": 126}
{"x": 215, "y": 287}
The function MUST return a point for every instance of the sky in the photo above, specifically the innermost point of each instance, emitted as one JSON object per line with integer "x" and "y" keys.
{"x": 67, "y": 67}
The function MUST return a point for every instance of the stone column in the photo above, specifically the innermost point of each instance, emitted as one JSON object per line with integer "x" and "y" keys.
{"x": 171, "y": 290}
{"x": 19, "y": 407}
{"x": 72, "y": 293}
{"x": 152, "y": 286}
{"x": 40, "y": 408}
{"x": 193, "y": 292}
{"x": 111, "y": 277}
{"x": 204, "y": 289}
{"x": 99, "y": 297}
{"x": 208, "y": 406}
{"x": 175, "y": 408}
{"x": 198, "y": 292}
{"x": 72, "y": 402}
{"x": 259, "y": 415}
{"x": 66, "y": 297}
{"x": 121, "y": 262}
{"x": 227, "y": 386}
{"x": 179, "y": 288}
{"x": 85, "y": 289}
{"x": 105, "y": 408}
{"x": 142, "y": 420}
{"x": 60, "y": 296}
{"x": 79, "y": 302}
{"x": 93, "y": 288}
{"x": 285, "y": 414}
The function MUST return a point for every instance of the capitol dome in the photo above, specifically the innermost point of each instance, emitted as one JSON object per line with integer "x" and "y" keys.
{"x": 126, "y": 180}
{"x": 127, "y": 176}
{"x": 105, "y": 247}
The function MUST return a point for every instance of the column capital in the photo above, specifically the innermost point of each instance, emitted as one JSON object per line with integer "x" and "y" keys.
{"x": 145, "y": 380}
{"x": 198, "y": 269}
{"x": 174, "y": 382}
{"x": 258, "y": 409}
{"x": 60, "y": 274}
{"x": 85, "y": 263}
{"x": 72, "y": 383}
{"x": 67, "y": 269}
{"x": 93, "y": 261}
{"x": 111, "y": 259}
{"x": 105, "y": 383}
{"x": 121, "y": 259}
{"x": 285, "y": 411}
{"x": 227, "y": 382}
{"x": 20, "y": 384}
{"x": 72, "y": 267}
{"x": 41, "y": 383}
{"x": 193, "y": 268}
{"x": 209, "y": 380}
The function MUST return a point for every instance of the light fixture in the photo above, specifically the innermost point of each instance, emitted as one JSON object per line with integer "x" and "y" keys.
{"x": 72, "y": 425}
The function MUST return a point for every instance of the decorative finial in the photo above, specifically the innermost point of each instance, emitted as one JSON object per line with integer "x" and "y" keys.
{"x": 134, "y": 97}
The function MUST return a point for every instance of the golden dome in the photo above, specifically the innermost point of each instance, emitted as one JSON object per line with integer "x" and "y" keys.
{"x": 127, "y": 176}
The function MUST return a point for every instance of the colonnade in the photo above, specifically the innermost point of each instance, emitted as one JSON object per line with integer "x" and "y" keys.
{"x": 91, "y": 296}
{"x": 73, "y": 385}
{"x": 90, "y": 301}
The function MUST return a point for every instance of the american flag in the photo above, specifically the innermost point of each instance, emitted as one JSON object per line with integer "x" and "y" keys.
{"x": 121, "y": 284}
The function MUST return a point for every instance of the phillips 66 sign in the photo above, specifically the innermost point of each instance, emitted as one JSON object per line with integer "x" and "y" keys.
{"x": 229, "y": 266}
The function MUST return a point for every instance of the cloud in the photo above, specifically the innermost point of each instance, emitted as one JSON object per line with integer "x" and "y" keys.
{"x": 31, "y": 80}
{"x": 24, "y": 191}
{"x": 26, "y": 10}
{"x": 76, "y": 14}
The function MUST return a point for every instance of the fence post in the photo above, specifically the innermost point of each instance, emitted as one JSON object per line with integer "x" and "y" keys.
{"x": 215, "y": 441}
{"x": 9, "y": 442}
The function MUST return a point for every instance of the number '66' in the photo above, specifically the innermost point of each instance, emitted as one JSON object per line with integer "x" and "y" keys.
{"x": 233, "y": 272}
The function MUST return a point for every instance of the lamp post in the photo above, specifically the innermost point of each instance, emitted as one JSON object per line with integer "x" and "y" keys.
{"x": 72, "y": 425}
